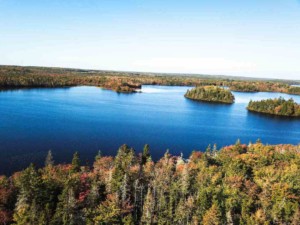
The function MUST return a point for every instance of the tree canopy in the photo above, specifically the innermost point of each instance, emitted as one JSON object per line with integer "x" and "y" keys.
{"x": 277, "y": 106}
{"x": 210, "y": 94}
{"x": 238, "y": 184}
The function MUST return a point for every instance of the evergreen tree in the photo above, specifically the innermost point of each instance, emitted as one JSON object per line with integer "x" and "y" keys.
{"x": 67, "y": 212}
{"x": 30, "y": 199}
{"x": 148, "y": 208}
{"x": 109, "y": 211}
{"x": 75, "y": 163}
{"x": 146, "y": 154}
{"x": 49, "y": 159}
{"x": 123, "y": 161}
{"x": 212, "y": 216}
{"x": 98, "y": 156}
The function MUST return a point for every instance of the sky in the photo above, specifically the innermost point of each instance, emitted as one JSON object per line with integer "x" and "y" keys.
{"x": 257, "y": 38}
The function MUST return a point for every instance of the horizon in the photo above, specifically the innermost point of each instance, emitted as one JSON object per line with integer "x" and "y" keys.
{"x": 258, "y": 39}
{"x": 158, "y": 73}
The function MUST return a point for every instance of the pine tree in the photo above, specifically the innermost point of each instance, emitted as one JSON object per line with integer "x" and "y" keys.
{"x": 75, "y": 163}
{"x": 98, "y": 156}
{"x": 212, "y": 216}
{"x": 215, "y": 150}
{"x": 123, "y": 161}
{"x": 208, "y": 150}
{"x": 49, "y": 162}
{"x": 30, "y": 197}
{"x": 68, "y": 208}
{"x": 146, "y": 154}
{"x": 148, "y": 208}
{"x": 185, "y": 180}
{"x": 109, "y": 211}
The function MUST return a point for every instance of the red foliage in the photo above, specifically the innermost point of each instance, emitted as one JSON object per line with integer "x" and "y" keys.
{"x": 85, "y": 187}
{"x": 83, "y": 195}
{"x": 195, "y": 156}
{"x": 5, "y": 217}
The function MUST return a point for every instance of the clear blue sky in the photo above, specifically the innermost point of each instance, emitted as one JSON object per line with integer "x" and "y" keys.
{"x": 259, "y": 38}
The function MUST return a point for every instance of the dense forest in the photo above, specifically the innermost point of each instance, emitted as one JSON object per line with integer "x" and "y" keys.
{"x": 210, "y": 94}
{"x": 278, "y": 106}
{"x": 23, "y": 77}
{"x": 247, "y": 86}
{"x": 239, "y": 184}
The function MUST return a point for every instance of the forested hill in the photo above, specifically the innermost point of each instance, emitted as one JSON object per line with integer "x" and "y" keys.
{"x": 239, "y": 184}
{"x": 278, "y": 106}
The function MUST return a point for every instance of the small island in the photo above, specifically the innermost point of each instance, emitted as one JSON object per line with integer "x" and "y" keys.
{"x": 124, "y": 87}
{"x": 210, "y": 94}
{"x": 277, "y": 106}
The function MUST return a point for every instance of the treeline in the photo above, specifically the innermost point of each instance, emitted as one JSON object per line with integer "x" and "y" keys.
{"x": 239, "y": 184}
{"x": 294, "y": 90}
{"x": 277, "y": 106}
{"x": 259, "y": 86}
{"x": 20, "y": 77}
{"x": 210, "y": 94}
{"x": 41, "y": 77}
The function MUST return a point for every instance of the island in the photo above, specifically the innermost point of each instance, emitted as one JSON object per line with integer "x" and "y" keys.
{"x": 123, "y": 87}
{"x": 277, "y": 106}
{"x": 210, "y": 94}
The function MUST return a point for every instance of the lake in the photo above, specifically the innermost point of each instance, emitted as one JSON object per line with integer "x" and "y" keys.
{"x": 88, "y": 119}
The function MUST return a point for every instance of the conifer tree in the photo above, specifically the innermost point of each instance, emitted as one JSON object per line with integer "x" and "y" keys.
{"x": 30, "y": 197}
{"x": 148, "y": 208}
{"x": 123, "y": 161}
{"x": 146, "y": 154}
{"x": 98, "y": 156}
{"x": 49, "y": 162}
{"x": 212, "y": 216}
{"x": 75, "y": 163}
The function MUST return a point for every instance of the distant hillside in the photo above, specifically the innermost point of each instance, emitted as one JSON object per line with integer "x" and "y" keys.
{"x": 136, "y": 73}
{"x": 128, "y": 82}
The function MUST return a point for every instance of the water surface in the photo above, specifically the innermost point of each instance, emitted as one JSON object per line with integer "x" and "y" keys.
{"x": 88, "y": 119}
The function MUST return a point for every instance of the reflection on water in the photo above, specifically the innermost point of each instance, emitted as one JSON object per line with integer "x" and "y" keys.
{"x": 162, "y": 89}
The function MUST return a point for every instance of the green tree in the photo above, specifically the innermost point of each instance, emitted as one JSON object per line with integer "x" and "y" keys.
{"x": 212, "y": 216}
{"x": 49, "y": 159}
{"x": 75, "y": 163}
{"x": 146, "y": 154}
{"x": 31, "y": 197}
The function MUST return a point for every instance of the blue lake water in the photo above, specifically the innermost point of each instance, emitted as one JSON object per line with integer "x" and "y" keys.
{"x": 88, "y": 119}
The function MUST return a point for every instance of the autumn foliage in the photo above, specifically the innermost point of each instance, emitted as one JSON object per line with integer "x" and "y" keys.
{"x": 238, "y": 184}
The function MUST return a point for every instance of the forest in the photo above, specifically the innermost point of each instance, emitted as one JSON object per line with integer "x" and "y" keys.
{"x": 210, "y": 94}
{"x": 277, "y": 106}
{"x": 238, "y": 184}
{"x": 264, "y": 87}
{"x": 127, "y": 82}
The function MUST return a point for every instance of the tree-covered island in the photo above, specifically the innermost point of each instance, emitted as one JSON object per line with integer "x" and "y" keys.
{"x": 210, "y": 94}
{"x": 277, "y": 106}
